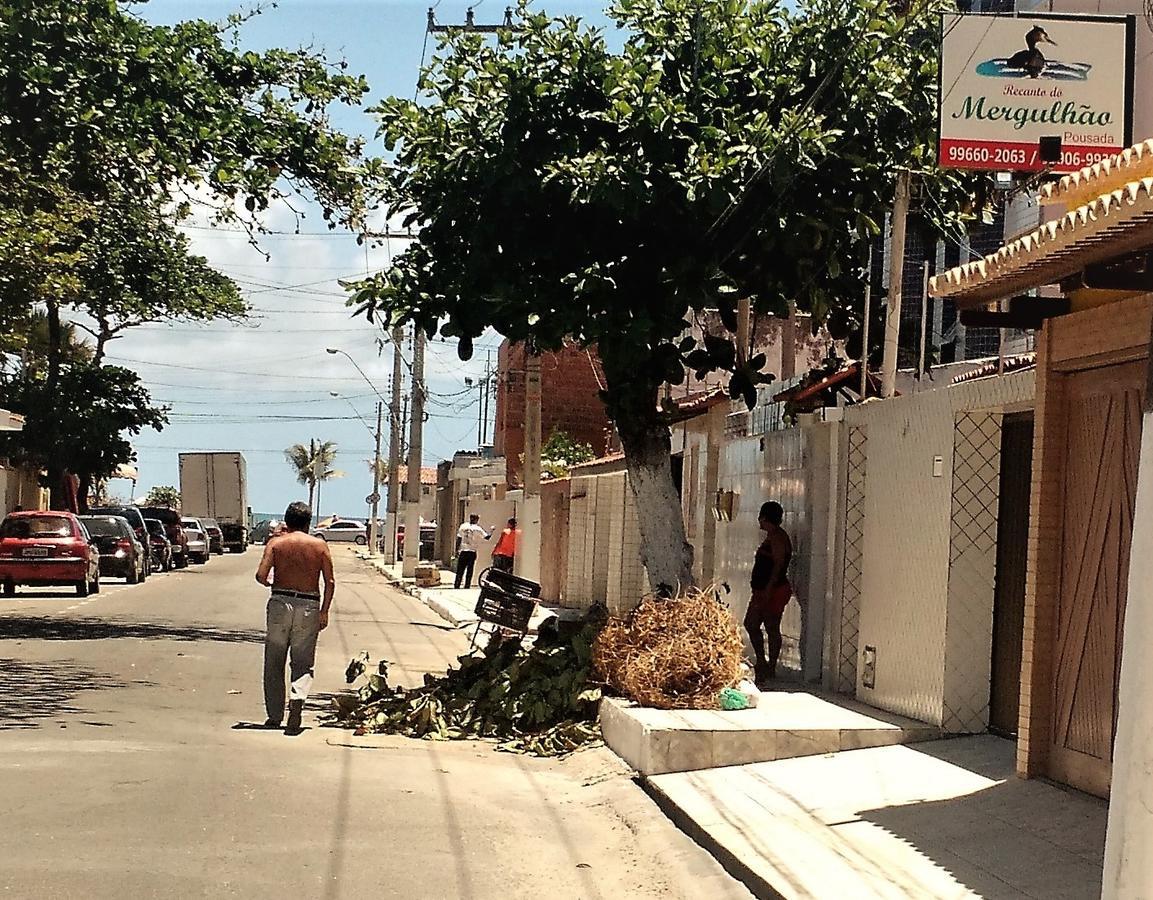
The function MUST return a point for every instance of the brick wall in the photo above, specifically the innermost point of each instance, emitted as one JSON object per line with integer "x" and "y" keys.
{"x": 570, "y": 401}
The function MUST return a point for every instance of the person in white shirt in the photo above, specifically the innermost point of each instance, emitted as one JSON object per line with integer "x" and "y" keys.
{"x": 468, "y": 539}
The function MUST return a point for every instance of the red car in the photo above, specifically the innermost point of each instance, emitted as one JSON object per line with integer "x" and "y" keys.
{"x": 47, "y": 548}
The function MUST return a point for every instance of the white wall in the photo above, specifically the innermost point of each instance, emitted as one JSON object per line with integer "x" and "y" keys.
{"x": 604, "y": 564}
{"x": 19, "y": 487}
{"x": 928, "y": 547}
{"x": 794, "y": 467}
{"x": 1128, "y": 863}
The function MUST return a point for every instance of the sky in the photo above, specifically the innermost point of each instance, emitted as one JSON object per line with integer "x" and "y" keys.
{"x": 233, "y": 387}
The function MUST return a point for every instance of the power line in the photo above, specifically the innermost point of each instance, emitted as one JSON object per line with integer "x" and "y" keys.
{"x": 238, "y": 419}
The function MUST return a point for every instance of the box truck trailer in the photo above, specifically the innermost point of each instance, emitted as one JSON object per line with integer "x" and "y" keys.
{"x": 216, "y": 485}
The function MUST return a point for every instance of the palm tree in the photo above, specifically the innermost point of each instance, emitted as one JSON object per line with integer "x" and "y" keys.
{"x": 37, "y": 344}
{"x": 313, "y": 465}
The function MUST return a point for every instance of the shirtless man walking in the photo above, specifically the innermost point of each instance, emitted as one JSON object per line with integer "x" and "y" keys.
{"x": 292, "y": 566}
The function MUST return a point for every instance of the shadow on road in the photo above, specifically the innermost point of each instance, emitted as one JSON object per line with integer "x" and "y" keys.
{"x": 54, "y": 628}
{"x": 32, "y": 692}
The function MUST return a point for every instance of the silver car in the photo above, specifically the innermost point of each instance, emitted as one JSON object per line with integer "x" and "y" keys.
{"x": 198, "y": 543}
{"x": 343, "y": 530}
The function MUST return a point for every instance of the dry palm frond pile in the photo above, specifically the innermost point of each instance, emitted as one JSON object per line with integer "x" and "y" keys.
{"x": 672, "y": 654}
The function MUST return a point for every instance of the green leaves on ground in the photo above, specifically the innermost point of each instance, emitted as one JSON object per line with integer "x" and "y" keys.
{"x": 536, "y": 700}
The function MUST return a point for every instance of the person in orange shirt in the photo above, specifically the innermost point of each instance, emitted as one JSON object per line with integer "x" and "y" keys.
{"x": 504, "y": 552}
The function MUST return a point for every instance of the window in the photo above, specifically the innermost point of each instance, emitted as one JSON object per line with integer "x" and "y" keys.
{"x": 36, "y": 526}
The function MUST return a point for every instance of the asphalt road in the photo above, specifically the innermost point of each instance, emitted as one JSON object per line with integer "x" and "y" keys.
{"x": 122, "y": 774}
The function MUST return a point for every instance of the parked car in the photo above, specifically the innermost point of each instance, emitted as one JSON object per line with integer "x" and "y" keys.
{"x": 121, "y": 555}
{"x": 47, "y": 548}
{"x": 427, "y": 540}
{"x": 198, "y": 545}
{"x": 215, "y": 536}
{"x": 173, "y": 529}
{"x": 161, "y": 545}
{"x": 343, "y": 530}
{"x": 261, "y": 531}
{"x": 134, "y": 518}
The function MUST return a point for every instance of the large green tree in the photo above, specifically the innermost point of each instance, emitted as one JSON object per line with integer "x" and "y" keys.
{"x": 97, "y": 409}
{"x": 138, "y": 268}
{"x": 112, "y": 130}
{"x": 731, "y": 148}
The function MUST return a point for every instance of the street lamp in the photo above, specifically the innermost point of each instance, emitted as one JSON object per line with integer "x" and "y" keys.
{"x": 335, "y": 350}
{"x": 374, "y": 497}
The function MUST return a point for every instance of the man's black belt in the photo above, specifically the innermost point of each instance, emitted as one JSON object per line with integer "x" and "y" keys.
{"x": 297, "y": 595}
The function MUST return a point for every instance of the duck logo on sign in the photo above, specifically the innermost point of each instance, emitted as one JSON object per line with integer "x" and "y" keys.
{"x": 1032, "y": 62}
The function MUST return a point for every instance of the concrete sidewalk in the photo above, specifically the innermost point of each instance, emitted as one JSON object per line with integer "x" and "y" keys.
{"x": 943, "y": 819}
{"x": 452, "y": 605}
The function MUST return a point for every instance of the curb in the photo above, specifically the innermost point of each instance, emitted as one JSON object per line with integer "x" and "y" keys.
{"x": 450, "y": 612}
{"x": 438, "y": 606}
{"x": 729, "y": 861}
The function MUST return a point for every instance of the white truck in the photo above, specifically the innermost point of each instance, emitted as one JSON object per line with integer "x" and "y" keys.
{"x": 215, "y": 485}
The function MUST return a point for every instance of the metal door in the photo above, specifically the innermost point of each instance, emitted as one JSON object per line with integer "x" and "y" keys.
{"x": 1012, "y": 552}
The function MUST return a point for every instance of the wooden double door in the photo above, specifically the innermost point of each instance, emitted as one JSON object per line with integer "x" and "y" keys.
{"x": 1101, "y": 420}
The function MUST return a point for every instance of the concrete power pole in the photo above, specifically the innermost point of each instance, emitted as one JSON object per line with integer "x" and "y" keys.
{"x": 415, "y": 453}
{"x": 374, "y": 498}
{"x": 896, "y": 274}
{"x": 394, "y": 438}
{"x": 865, "y": 325}
{"x": 529, "y": 525}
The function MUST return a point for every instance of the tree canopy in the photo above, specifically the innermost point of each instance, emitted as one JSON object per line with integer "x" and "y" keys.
{"x": 97, "y": 409}
{"x": 312, "y": 464}
{"x": 112, "y": 131}
{"x": 163, "y": 495}
{"x": 730, "y": 149}
{"x": 96, "y": 99}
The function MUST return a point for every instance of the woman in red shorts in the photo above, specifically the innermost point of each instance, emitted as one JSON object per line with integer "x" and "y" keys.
{"x": 771, "y": 590}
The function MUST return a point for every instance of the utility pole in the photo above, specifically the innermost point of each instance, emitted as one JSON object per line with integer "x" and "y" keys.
{"x": 744, "y": 315}
{"x": 865, "y": 324}
{"x": 415, "y": 453}
{"x": 896, "y": 274}
{"x": 374, "y": 498}
{"x": 435, "y": 27}
{"x": 529, "y": 539}
{"x": 394, "y": 437}
{"x": 488, "y": 375}
{"x": 404, "y": 424}
{"x": 318, "y": 476}
{"x": 921, "y": 369}
{"x": 789, "y": 344}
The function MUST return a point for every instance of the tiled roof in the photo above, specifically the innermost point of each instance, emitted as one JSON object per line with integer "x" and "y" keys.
{"x": 599, "y": 461}
{"x": 700, "y": 402}
{"x": 1010, "y": 364}
{"x": 428, "y": 474}
{"x": 1115, "y": 223}
{"x": 1079, "y": 187}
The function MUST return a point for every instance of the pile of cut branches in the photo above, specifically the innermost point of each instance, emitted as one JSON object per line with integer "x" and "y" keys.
{"x": 675, "y": 653}
{"x": 536, "y": 699}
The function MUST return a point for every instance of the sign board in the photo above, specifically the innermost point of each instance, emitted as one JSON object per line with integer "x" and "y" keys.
{"x": 372, "y": 498}
{"x": 1008, "y": 81}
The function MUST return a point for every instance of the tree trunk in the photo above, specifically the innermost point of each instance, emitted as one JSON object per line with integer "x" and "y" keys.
{"x": 103, "y": 336}
{"x": 311, "y": 494}
{"x": 54, "y": 463}
{"x": 666, "y": 554}
{"x": 84, "y": 492}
